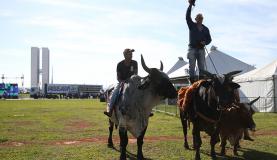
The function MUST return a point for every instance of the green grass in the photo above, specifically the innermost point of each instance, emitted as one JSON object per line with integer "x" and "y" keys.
{"x": 24, "y": 95}
{"x": 32, "y": 129}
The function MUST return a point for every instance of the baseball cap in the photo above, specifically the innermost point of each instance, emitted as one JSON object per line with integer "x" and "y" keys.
{"x": 128, "y": 50}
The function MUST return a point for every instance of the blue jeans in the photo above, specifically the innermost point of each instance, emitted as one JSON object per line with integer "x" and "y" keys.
{"x": 193, "y": 55}
{"x": 115, "y": 96}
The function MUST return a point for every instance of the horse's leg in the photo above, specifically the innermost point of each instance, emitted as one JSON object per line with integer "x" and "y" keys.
{"x": 123, "y": 142}
{"x": 235, "y": 150}
{"x": 214, "y": 140}
{"x": 110, "y": 139}
{"x": 185, "y": 128}
{"x": 223, "y": 144}
{"x": 196, "y": 139}
{"x": 139, "y": 144}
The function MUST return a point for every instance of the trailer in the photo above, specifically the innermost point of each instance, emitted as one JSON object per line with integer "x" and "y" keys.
{"x": 9, "y": 90}
{"x": 89, "y": 91}
{"x": 71, "y": 91}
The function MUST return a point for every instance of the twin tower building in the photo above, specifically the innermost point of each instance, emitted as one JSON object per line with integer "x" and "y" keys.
{"x": 35, "y": 67}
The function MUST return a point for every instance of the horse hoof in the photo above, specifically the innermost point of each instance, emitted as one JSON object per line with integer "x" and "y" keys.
{"x": 140, "y": 157}
{"x": 197, "y": 157}
{"x": 213, "y": 155}
{"x": 186, "y": 145}
{"x": 122, "y": 157}
{"x": 110, "y": 145}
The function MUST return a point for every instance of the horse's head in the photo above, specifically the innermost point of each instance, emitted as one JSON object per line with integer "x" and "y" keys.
{"x": 158, "y": 81}
{"x": 246, "y": 113}
{"x": 220, "y": 88}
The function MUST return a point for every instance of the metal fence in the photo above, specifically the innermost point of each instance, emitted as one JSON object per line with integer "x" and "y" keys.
{"x": 261, "y": 105}
{"x": 167, "y": 109}
{"x": 169, "y": 106}
{"x": 264, "y": 104}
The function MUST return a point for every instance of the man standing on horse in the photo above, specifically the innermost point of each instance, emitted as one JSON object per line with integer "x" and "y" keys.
{"x": 199, "y": 36}
{"x": 125, "y": 69}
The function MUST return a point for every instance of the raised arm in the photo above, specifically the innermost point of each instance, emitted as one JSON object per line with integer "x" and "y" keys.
{"x": 188, "y": 16}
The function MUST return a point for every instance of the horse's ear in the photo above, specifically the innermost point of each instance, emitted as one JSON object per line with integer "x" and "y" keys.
{"x": 234, "y": 85}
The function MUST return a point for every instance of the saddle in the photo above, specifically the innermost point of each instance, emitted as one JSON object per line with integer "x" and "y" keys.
{"x": 185, "y": 101}
{"x": 185, "y": 95}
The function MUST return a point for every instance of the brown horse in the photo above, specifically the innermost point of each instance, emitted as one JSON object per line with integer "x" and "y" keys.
{"x": 201, "y": 104}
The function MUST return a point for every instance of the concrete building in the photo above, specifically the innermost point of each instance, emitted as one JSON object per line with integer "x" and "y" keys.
{"x": 36, "y": 84}
{"x": 45, "y": 67}
{"x": 35, "y": 66}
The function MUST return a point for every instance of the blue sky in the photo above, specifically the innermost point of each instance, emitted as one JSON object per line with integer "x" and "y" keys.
{"x": 86, "y": 37}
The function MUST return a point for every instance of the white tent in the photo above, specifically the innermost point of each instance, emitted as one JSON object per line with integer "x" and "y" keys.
{"x": 180, "y": 63}
{"x": 260, "y": 82}
{"x": 217, "y": 62}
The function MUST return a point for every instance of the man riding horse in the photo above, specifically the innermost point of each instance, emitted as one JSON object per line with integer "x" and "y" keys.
{"x": 139, "y": 96}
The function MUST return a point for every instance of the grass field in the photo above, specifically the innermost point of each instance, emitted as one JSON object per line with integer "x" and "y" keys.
{"x": 78, "y": 129}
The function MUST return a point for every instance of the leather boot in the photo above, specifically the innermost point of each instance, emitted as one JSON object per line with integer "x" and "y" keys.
{"x": 108, "y": 112}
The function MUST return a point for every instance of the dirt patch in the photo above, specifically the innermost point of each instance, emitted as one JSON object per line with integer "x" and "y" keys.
{"x": 116, "y": 140}
{"x": 18, "y": 144}
{"x": 100, "y": 139}
{"x": 264, "y": 133}
{"x": 12, "y": 144}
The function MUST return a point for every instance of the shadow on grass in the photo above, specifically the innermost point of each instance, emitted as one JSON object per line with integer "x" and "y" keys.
{"x": 257, "y": 155}
{"x": 247, "y": 154}
{"x": 130, "y": 156}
